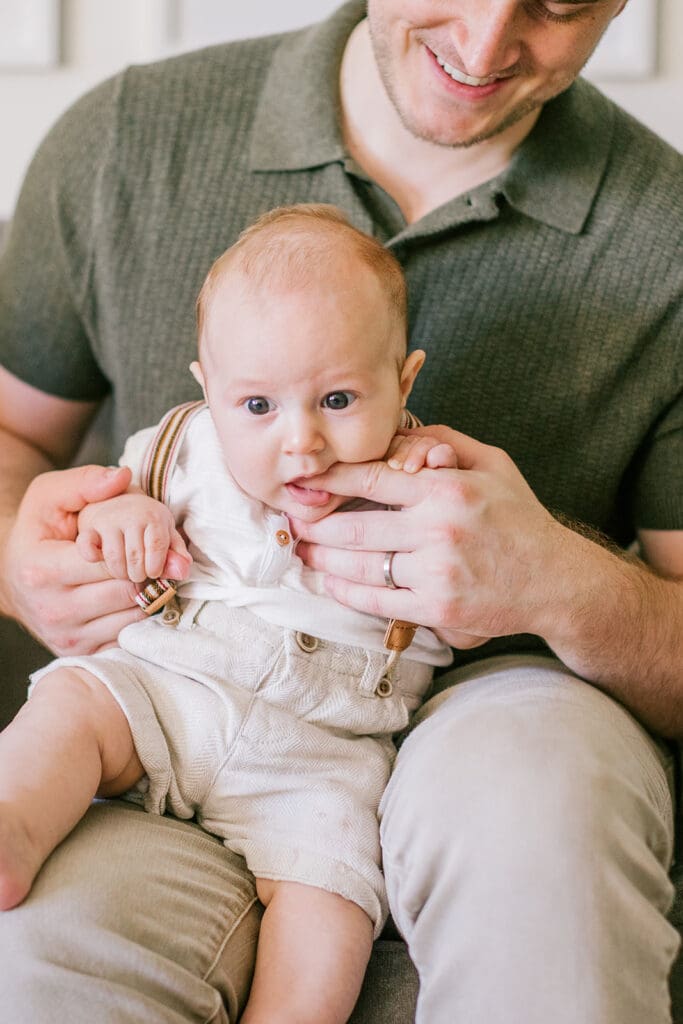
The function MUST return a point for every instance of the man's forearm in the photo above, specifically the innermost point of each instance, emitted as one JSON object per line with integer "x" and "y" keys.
{"x": 20, "y": 462}
{"x": 620, "y": 625}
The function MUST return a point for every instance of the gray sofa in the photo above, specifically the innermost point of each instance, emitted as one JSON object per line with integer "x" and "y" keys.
{"x": 390, "y": 989}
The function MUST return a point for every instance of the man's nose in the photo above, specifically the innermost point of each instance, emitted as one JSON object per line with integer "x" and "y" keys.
{"x": 486, "y": 35}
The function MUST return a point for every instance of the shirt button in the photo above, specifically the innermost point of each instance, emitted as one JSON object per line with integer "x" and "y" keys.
{"x": 307, "y": 643}
{"x": 170, "y": 617}
{"x": 283, "y": 538}
{"x": 384, "y": 687}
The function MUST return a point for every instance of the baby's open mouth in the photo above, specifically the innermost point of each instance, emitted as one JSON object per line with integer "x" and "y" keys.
{"x": 306, "y": 495}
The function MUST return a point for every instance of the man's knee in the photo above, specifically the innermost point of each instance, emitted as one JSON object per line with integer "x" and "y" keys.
{"x": 526, "y": 770}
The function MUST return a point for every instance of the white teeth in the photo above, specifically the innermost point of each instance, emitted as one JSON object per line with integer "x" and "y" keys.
{"x": 460, "y": 76}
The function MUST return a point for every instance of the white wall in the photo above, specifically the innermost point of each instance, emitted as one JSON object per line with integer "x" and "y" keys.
{"x": 100, "y": 36}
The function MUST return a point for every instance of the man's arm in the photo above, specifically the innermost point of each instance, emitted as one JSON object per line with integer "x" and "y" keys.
{"x": 619, "y": 623}
{"x": 44, "y": 583}
{"x": 478, "y": 553}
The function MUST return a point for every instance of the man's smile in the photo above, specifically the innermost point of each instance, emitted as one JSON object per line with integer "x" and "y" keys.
{"x": 463, "y": 79}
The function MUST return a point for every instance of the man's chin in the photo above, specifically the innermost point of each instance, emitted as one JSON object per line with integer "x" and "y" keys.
{"x": 449, "y": 137}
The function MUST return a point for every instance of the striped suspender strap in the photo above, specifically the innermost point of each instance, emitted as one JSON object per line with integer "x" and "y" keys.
{"x": 157, "y": 468}
{"x": 409, "y": 420}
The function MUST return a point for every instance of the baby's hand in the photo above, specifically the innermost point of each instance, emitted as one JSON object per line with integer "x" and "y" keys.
{"x": 411, "y": 452}
{"x": 134, "y": 535}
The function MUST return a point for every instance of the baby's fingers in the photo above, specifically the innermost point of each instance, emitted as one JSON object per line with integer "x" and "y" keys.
{"x": 411, "y": 454}
{"x": 157, "y": 540}
{"x": 178, "y": 559}
{"x": 441, "y": 456}
{"x": 135, "y": 553}
{"x": 114, "y": 554}
{"x": 400, "y": 450}
{"x": 88, "y": 545}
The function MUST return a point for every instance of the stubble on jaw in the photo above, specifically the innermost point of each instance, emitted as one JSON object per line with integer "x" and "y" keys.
{"x": 446, "y": 139}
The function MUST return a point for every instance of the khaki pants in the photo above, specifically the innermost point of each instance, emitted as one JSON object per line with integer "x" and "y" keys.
{"x": 527, "y": 834}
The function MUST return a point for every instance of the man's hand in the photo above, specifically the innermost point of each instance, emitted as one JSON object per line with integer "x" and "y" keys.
{"x": 70, "y": 605}
{"x": 474, "y": 547}
{"x": 476, "y": 552}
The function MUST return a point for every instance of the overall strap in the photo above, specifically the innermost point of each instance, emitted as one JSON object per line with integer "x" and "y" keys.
{"x": 409, "y": 420}
{"x": 157, "y": 469}
{"x": 162, "y": 453}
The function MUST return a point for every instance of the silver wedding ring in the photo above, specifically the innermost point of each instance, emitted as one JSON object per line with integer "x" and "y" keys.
{"x": 386, "y": 569}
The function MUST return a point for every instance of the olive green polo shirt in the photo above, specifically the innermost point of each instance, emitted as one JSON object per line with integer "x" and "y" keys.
{"x": 548, "y": 300}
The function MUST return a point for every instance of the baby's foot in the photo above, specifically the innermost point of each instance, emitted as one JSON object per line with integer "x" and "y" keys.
{"x": 19, "y": 860}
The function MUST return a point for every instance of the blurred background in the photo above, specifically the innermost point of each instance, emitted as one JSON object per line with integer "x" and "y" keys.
{"x": 51, "y": 51}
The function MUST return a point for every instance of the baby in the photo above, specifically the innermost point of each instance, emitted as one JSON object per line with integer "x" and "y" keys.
{"x": 253, "y": 703}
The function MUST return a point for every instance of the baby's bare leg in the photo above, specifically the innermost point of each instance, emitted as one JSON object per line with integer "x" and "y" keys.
{"x": 312, "y": 953}
{"x": 69, "y": 743}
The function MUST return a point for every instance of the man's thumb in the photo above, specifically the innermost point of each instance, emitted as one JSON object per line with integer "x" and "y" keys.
{"x": 70, "y": 490}
{"x": 93, "y": 483}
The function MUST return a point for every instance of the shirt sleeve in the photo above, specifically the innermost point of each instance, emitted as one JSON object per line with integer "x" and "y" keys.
{"x": 658, "y": 492}
{"x": 134, "y": 452}
{"x": 47, "y": 306}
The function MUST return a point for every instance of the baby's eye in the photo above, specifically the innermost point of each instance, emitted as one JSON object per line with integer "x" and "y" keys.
{"x": 258, "y": 405}
{"x": 338, "y": 399}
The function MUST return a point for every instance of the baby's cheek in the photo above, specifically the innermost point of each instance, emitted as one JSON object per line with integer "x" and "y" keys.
{"x": 367, "y": 445}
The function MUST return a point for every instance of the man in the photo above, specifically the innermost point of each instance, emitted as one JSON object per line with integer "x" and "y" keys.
{"x": 527, "y": 830}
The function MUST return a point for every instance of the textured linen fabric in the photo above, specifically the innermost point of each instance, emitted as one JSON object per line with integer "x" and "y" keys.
{"x": 237, "y": 558}
{"x": 281, "y": 747}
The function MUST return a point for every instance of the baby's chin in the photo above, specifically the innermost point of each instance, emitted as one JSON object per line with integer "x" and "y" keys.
{"x": 309, "y": 504}
{"x": 309, "y": 514}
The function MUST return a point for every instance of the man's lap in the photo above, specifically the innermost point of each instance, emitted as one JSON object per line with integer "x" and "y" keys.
{"x": 137, "y": 917}
{"x": 134, "y": 917}
{"x": 530, "y": 816}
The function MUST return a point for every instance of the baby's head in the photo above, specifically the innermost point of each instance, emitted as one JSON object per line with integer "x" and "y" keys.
{"x": 302, "y": 353}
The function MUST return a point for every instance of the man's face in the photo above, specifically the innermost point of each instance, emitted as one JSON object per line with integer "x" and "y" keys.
{"x": 461, "y": 71}
{"x": 298, "y": 379}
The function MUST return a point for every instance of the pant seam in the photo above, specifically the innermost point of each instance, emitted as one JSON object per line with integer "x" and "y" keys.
{"x": 228, "y": 935}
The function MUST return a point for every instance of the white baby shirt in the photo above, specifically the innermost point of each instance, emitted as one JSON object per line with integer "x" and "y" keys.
{"x": 244, "y": 554}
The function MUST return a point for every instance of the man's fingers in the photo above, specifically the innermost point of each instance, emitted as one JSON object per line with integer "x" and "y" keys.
{"x": 80, "y": 619}
{"x": 379, "y": 601}
{"x": 54, "y": 498}
{"x": 375, "y": 481}
{"x": 61, "y": 565}
{"x": 360, "y": 531}
{"x": 104, "y": 599}
{"x": 356, "y": 567}
{"x": 97, "y": 634}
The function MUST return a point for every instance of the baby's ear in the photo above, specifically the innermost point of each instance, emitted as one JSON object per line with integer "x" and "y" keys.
{"x": 198, "y": 374}
{"x": 411, "y": 368}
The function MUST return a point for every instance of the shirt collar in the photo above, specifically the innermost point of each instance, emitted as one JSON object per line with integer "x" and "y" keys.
{"x": 555, "y": 174}
{"x": 553, "y": 177}
{"x": 296, "y": 125}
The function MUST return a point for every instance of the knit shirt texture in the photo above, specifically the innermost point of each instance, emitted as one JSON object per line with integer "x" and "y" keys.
{"x": 549, "y": 300}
